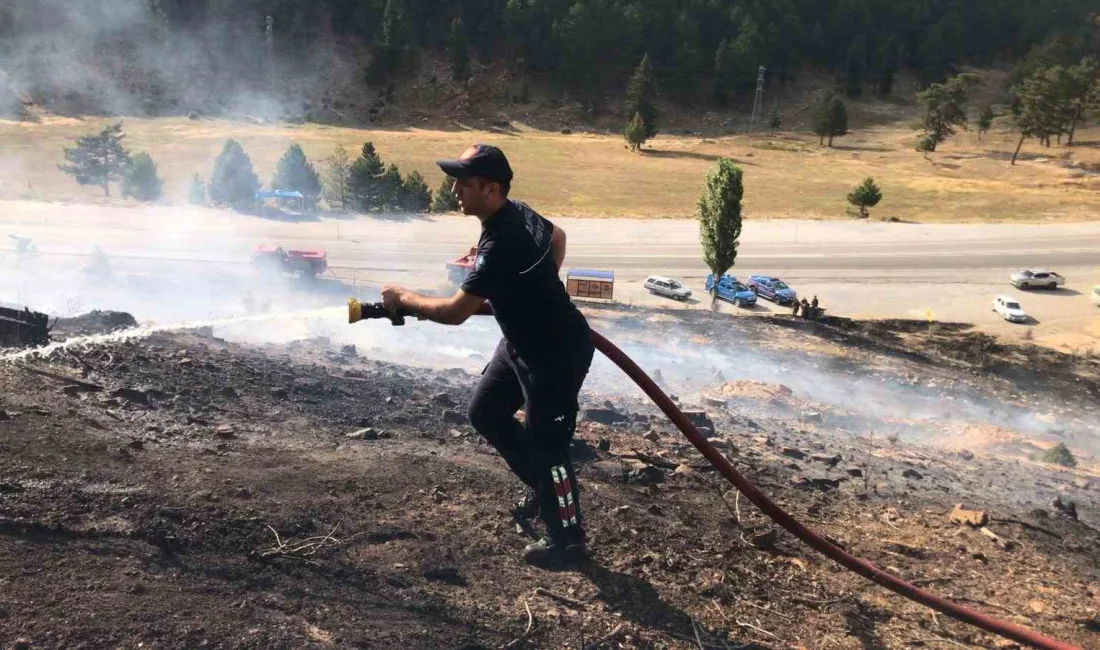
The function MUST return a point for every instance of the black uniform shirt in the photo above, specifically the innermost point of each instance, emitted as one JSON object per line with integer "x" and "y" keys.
{"x": 515, "y": 272}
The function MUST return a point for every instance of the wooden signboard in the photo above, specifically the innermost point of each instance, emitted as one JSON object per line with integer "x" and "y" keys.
{"x": 582, "y": 283}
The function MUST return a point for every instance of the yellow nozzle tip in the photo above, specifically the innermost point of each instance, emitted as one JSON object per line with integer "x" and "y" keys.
{"x": 355, "y": 311}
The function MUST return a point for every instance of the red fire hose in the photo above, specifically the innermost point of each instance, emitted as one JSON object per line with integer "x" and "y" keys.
{"x": 817, "y": 542}
{"x": 864, "y": 568}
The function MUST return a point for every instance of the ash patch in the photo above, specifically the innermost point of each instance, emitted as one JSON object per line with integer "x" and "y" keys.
{"x": 209, "y": 494}
{"x": 94, "y": 322}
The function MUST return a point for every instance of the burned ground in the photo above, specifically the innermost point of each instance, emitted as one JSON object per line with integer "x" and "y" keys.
{"x": 191, "y": 492}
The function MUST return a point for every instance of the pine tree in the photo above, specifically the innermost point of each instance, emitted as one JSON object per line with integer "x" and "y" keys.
{"x": 98, "y": 159}
{"x": 365, "y": 180}
{"x": 818, "y": 50}
{"x": 295, "y": 172}
{"x": 838, "y": 119}
{"x": 394, "y": 28}
{"x": 820, "y": 116}
{"x": 925, "y": 146}
{"x": 196, "y": 191}
{"x": 889, "y": 61}
{"x": 445, "y": 199}
{"x": 415, "y": 193}
{"x": 721, "y": 74}
{"x": 855, "y": 67}
{"x": 944, "y": 108}
{"x": 635, "y": 132}
{"x": 746, "y": 53}
{"x": 393, "y": 189}
{"x": 641, "y": 93}
{"x": 337, "y": 177}
{"x": 865, "y": 195}
{"x": 389, "y": 51}
{"x": 233, "y": 182}
{"x": 985, "y": 119}
{"x": 720, "y": 217}
{"x": 1036, "y": 110}
{"x": 775, "y": 120}
{"x": 140, "y": 180}
{"x": 830, "y": 118}
{"x": 458, "y": 51}
{"x": 1082, "y": 92}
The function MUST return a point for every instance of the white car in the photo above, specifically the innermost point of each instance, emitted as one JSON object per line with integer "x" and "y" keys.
{"x": 1008, "y": 308}
{"x": 662, "y": 286}
{"x": 1036, "y": 279}
{"x": 1096, "y": 295}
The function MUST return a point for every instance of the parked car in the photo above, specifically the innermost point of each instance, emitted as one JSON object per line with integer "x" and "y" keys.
{"x": 773, "y": 289}
{"x": 1036, "y": 279}
{"x": 1096, "y": 295}
{"x": 1009, "y": 309}
{"x": 730, "y": 289}
{"x": 667, "y": 287}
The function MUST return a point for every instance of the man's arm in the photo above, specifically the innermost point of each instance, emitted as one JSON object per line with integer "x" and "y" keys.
{"x": 557, "y": 247}
{"x": 447, "y": 311}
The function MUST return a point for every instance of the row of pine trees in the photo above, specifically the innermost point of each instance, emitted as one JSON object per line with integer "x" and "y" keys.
{"x": 365, "y": 184}
{"x": 698, "y": 46}
{"x": 1051, "y": 97}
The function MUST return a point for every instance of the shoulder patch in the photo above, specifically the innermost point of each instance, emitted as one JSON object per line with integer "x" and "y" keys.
{"x": 479, "y": 264}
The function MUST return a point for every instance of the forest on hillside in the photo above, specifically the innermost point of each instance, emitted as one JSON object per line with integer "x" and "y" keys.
{"x": 700, "y": 50}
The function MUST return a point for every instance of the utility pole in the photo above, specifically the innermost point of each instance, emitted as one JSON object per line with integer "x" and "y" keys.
{"x": 758, "y": 102}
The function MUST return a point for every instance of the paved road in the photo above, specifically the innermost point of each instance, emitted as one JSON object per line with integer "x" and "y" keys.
{"x": 865, "y": 269}
{"x": 633, "y": 248}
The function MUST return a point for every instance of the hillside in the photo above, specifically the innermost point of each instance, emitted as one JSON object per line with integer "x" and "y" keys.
{"x": 375, "y": 61}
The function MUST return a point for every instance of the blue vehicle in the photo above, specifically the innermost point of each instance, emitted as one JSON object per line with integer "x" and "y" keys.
{"x": 773, "y": 289}
{"x": 731, "y": 290}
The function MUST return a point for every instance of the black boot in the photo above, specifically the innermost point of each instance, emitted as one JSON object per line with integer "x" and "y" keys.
{"x": 528, "y": 506}
{"x": 557, "y": 549}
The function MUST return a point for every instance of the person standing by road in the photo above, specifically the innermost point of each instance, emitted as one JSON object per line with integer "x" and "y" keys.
{"x": 543, "y": 358}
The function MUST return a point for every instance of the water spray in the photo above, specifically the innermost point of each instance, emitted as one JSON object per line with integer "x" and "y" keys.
{"x": 147, "y": 330}
{"x": 358, "y": 311}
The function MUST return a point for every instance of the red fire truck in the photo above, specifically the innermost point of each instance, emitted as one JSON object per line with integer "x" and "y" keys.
{"x": 299, "y": 263}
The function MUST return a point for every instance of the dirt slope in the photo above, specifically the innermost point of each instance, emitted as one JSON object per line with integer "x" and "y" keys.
{"x": 154, "y": 512}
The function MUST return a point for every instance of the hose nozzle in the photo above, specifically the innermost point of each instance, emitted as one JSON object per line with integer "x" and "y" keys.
{"x": 358, "y": 311}
{"x": 355, "y": 311}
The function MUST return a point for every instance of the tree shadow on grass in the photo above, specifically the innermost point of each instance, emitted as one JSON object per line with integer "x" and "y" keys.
{"x": 692, "y": 155}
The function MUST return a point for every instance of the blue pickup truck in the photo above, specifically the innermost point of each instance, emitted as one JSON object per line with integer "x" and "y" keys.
{"x": 731, "y": 290}
{"x": 773, "y": 289}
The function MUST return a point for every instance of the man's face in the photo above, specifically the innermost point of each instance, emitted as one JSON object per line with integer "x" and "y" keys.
{"x": 475, "y": 195}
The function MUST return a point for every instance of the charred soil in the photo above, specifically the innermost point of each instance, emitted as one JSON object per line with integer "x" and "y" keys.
{"x": 190, "y": 492}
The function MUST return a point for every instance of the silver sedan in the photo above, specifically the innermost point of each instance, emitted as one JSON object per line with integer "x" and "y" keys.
{"x": 1036, "y": 279}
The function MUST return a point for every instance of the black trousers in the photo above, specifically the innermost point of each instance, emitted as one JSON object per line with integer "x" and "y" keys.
{"x": 537, "y": 451}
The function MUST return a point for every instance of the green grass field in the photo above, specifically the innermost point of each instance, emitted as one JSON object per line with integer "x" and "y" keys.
{"x": 787, "y": 175}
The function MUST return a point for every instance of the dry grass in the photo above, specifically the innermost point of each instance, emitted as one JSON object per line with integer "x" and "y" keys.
{"x": 786, "y": 175}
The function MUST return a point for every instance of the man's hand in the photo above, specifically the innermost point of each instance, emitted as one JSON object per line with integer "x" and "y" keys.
{"x": 448, "y": 311}
{"x": 393, "y": 298}
{"x": 557, "y": 247}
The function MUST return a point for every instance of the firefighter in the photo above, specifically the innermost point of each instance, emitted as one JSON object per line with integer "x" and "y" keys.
{"x": 543, "y": 358}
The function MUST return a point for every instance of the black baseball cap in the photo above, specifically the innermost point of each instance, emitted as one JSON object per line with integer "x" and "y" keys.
{"x": 481, "y": 160}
